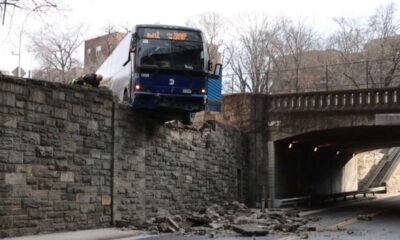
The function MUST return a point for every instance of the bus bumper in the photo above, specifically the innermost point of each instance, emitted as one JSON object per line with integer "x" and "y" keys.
{"x": 189, "y": 103}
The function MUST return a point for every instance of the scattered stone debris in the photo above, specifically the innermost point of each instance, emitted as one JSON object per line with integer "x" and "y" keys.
{"x": 250, "y": 230}
{"x": 307, "y": 229}
{"x": 303, "y": 236}
{"x": 364, "y": 218}
{"x": 235, "y": 218}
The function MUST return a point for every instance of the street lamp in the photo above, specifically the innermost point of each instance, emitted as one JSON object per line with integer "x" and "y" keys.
{"x": 20, "y": 42}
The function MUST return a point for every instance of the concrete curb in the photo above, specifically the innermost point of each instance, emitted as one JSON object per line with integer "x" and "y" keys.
{"x": 377, "y": 197}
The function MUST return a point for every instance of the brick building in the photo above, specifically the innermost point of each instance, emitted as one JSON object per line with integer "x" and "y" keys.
{"x": 99, "y": 48}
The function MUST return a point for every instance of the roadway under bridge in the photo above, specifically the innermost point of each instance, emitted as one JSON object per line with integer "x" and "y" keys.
{"x": 301, "y": 144}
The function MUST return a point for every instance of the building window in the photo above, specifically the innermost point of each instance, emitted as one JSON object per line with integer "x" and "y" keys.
{"x": 98, "y": 51}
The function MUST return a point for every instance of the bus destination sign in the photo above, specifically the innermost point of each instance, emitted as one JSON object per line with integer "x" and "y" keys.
{"x": 177, "y": 35}
{"x": 182, "y": 36}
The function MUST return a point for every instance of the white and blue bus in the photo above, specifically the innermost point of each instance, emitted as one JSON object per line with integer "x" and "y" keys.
{"x": 164, "y": 69}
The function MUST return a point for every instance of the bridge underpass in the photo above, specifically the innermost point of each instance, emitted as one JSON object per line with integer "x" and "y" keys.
{"x": 319, "y": 163}
{"x": 301, "y": 143}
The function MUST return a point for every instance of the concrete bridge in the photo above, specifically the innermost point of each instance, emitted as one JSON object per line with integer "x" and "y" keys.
{"x": 301, "y": 144}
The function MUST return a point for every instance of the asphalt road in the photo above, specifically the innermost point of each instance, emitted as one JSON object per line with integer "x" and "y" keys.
{"x": 336, "y": 223}
{"x": 342, "y": 223}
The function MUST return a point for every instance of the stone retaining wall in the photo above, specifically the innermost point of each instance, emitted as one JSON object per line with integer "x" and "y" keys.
{"x": 70, "y": 158}
{"x": 55, "y": 158}
{"x": 175, "y": 169}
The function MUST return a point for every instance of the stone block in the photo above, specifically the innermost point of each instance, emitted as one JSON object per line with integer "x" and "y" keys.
{"x": 54, "y": 195}
{"x": 8, "y": 121}
{"x": 68, "y": 146}
{"x": 97, "y": 181}
{"x": 60, "y": 113}
{"x": 40, "y": 194}
{"x": 6, "y": 222}
{"x": 95, "y": 154}
{"x": 93, "y": 125}
{"x": 84, "y": 197}
{"x": 106, "y": 200}
{"x": 188, "y": 179}
{"x": 108, "y": 122}
{"x": 35, "y": 213}
{"x": 37, "y": 96}
{"x": 43, "y": 172}
{"x": 87, "y": 208}
{"x": 45, "y": 152}
{"x": 67, "y": 177}
{"x": 71, "y": 127}
{"x": 16, "y": 157}
{"x": 7, "y": 99}
{"x": 20, "y": 191}
{"x": 78, "y": 110}
{"x": 31, "y": 138}
{"x": 58, "y": 95}
{"x": 70, "y": 216}
{"x": 106, "y": 165}
{"x": 20, "y": 104}
{"x": 15, "y": 178}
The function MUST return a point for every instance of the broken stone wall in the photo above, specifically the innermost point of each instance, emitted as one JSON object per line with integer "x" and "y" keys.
{"x": 55, "y": 157}
{"x": 175, "y": 168}
{"x": 70, "y": 158}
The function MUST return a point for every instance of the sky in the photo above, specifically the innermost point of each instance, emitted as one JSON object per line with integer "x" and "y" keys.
{"x": 96, "y": 14}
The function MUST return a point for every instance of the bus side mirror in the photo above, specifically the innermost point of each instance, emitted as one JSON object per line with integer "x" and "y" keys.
{"x": 133, "y": 43}
{"x": 218, "y": 70}
{"x": 210, "y": 66}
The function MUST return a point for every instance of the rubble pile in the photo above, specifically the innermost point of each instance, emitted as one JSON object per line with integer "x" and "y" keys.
{"x": 232, "y": 218}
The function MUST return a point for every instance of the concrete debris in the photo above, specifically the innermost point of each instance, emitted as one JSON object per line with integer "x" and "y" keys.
{"x": 230, "y": 218}
{"x": 250, "y": 230}
{"x": 364, "y": 218}
{"x": 350, "y": 232}
{"x": 303, "y": 236}
{"x": 307, "y": 229}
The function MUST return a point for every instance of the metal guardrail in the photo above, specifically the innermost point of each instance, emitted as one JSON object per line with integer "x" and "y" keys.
{"x": 309, "y": 199}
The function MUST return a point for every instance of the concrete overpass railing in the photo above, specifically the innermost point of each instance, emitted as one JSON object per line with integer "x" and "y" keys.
{"x": 346, "y": 100}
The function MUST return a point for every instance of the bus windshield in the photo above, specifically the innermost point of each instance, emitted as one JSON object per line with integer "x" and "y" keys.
{"x": 171, "y": 54}
{"x": 170, "y": 49}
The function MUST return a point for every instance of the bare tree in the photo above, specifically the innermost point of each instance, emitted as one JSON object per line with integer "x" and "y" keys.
{"x": 348, "y": 39}
{"x": 384, "y": 43}
{"x": 296, "y": 39}
{"x": 213, "y": 26}
{"x": 251, "y": 53}
{"x": 36, "y": 6}
{"x": 56, "y": 52}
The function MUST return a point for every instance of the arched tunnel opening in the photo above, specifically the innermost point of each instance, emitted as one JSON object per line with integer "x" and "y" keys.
{"x": 318, "y": 163}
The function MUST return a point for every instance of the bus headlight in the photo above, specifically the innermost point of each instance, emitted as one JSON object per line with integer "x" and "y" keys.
{"x": 203, "y": 90}
{"x": 137, "y": 87}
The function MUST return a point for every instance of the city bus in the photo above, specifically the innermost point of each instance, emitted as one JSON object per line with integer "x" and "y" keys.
{"x": 165, "y": 69}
